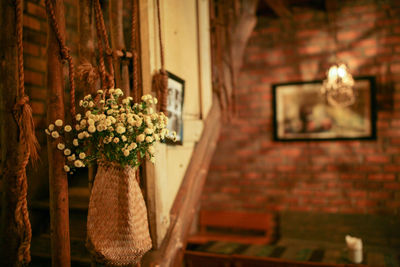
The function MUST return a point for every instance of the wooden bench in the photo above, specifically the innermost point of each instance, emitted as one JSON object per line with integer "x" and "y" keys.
{"x": 243, "y": 227}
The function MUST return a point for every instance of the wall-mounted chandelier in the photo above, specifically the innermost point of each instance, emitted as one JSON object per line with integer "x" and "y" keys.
{"x": 338, "y": 87}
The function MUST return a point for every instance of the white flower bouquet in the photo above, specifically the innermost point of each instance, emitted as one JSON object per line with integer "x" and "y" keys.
{"x": 111, "y": 129}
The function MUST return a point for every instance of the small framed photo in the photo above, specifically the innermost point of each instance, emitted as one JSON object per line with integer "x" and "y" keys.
{"x": 301, "y": 112}
{"x": 176, "y": 93}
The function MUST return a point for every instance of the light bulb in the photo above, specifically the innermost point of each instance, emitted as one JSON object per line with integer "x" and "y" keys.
{"x": 341, "y": 71}
{"x": 332, "y": 72}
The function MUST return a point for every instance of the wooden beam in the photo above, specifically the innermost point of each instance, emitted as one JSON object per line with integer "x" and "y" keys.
{"x": 171, "y": 250}
{"x": 58, "y": 182}
{"x": 86, "y": 43}
{"x": 9, "y": 240}
{"x": 121, "y": 68}
{"x": 280, "y": 7}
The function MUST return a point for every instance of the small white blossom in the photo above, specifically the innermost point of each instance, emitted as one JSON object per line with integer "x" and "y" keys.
{"x": 124, "y": 138}
{"x": 71, "y": 158}
{"x": 126, "y": 153}
{"x": 47, "y": 131}
{"x": 67, "y": 152}
{"x": 67, "y": 128}
{"x": 66, "y": 168}
{"x": 140, "y": 138}
{"x": 151, "y": 149}
{"x": 118, "y": 92}
{"x": 120, "y": 129}
{"x": 100, "y": 92}
{"x": 58, "y": 123}
{"x": 78, "y": 117}
{"x": 60, "y": 146}
{"x": 149, "y": 139}
{"x": 55, "y": 134}
{"x": 78, "y": 163}
{"x": 81, "y": 135}
{"x": 51, "y": 127}
{"x": 92, "y": 129}
{"x": 82, "y": 155}
{"x": 148, "y": 131}
{"x": 116, "y": 140}
{"x": 75, "y": 142}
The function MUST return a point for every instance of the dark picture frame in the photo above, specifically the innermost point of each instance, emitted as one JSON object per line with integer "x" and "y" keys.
{"x": 301, "y": 112}
{"x": 175, "y": 101}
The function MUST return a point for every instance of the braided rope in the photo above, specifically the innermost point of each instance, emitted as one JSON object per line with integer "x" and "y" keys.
{"x": 160, "y": 79}
{"x": 160, "y": 35}
{"x": 106, "y": 77}
{"x": 65, "y": 54}
{"x": 22, "y": 112}
{"x": 135, "y": 91}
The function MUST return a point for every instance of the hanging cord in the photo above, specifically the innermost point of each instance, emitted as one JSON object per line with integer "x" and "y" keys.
{"x": 65, "y": 54}
{"x": 22, "y": 112}
{"x": 160, "y": 79}
{"x": 107, "y": 78}
{"x": 135, "y": 91}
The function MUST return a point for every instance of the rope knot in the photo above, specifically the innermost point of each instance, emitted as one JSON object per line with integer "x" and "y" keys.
{"x": 109, "y": 52}
{"x": 65, "y": 53}
{"x": 20, "y": 102}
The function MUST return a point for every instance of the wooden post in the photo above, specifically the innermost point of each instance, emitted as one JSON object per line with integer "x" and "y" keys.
{"x": 118, "y": 43}
{"x": 86, "y": 41}
{"x": 58, "y": 182}
{"x": 9, "y": 240}
{"x": 86, "y": 54}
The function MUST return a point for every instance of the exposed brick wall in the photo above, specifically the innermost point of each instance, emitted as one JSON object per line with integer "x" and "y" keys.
{"x": 250, "y": 171}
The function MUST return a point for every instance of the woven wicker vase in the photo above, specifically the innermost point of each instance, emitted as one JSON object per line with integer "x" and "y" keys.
{"x": 117, "y": 226}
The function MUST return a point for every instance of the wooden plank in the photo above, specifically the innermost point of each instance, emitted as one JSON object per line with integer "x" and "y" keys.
{"x": 86, "y": 43}
{"x": 118, "y": 43}
{"x": 171, "y": 251}
{"x": 9, "y": 239}
{"x": 58, "y": 182}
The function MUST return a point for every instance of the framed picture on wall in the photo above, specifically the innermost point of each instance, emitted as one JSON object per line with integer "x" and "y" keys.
{"x": 301, "y": 112}
{"x": 176, "y": 93}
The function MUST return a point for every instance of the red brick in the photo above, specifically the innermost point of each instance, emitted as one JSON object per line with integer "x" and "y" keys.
{"x": 381, "y": 177}
{"x": 38, "y": 108}
{"x": 286, "y": 168}
{"x": 348, "y": 35}
{"x": 36, "y": 10}
{"x": 31, "y": 49}
{"x": 252, "y": 175}
{"x": 32, "y": 23}
{"x": 392, "y": 39}
{"x": 378, "y": 159}
{"x": 392, "y": 186}
{"x": 391, "y": 168}
{"x": 395, "y": 68}
{"x": 35, "y": 78}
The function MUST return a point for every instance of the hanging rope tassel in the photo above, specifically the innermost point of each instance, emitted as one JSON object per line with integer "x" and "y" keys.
{"x": 28, "y": 148}
{"x": 160, "y": 79}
